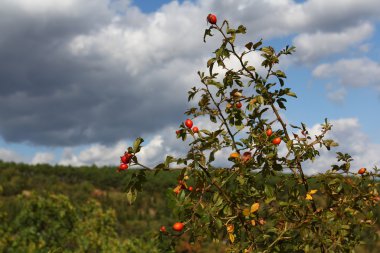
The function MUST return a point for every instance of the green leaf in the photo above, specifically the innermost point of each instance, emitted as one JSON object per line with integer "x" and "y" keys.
{"x": 213, "y": 118}
{"x": 207, "y": 33}
{"x": 137, "y": 144}
{"x": 214, "y": 83}
{"x": 210, "y": 62}
{"x": 257, "y": 44}
{"x": 211, "y": 156}
{"x": 131, "y": 196}
{"x": 250, "y": 68}
{"x": 249, "y": 45}
{"x": 242, "y": 29}
{"x": 267, "y": 50}
{"x": 281, "y": 74}
{"x": 227, "y": 210}
{"x": 260, "y": 99}
{"x": 291, "y": 94}
{"x": 168, "y": 160}
{"x": 289, "y": 144}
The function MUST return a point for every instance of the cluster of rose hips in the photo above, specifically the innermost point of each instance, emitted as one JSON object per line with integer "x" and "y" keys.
{"x": 125, "y": 160}
{"x": 275, "y": 141}
{"x": 189, "y": 125}
{"x": 182, "y": 185}
{"x": 178, "y": 227}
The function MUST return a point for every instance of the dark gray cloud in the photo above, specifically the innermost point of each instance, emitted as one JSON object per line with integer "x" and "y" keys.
{"x": 49, "y": 96}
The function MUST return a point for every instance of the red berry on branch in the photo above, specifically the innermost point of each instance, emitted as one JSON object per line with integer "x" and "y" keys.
{"x": 178, "y": 226}
{"x": 190, "y": 188}
{"x": 276, "y": 141}
{"x": 126, "y": 158}
{"x": 189, "y": 123}
{"x": 123, "y": 166}
{"x": 269, "y": 132}
{"x": 195, "y": 129}
{"x": 239, "y": 105}
{"x": 211, "y": 18}
{"x": 163, "y": 229}
{"x": 362, "y": 171}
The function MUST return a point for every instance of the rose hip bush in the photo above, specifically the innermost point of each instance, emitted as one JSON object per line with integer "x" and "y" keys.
{"x": 263, "y": 202}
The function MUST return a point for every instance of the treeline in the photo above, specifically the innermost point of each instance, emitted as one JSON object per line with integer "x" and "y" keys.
{"x": 46, "y": 208}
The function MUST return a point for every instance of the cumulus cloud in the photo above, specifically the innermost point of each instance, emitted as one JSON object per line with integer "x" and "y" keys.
{"x": 43, "y": 157}
{"x": 94, "y": 154}
{"x": 357, "y": 72}
{"x": 314, "y": 46}
{"x": 292, "y": 17}
{"x": 10, "y": 156}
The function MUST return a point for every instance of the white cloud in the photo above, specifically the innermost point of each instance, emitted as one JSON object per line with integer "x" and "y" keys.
{"x": 43, "y": 157}
{"x": 351, "y": 72}
{"x": 160, "y": 37}
{"x": 47, "y": 7}
{"x": 315, "y": 46}
{"x": 291, "y": 17}
{"x": 94, "y": 154}
{"x": 10, "y": 156}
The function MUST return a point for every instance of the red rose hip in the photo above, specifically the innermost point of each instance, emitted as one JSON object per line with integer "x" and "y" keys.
{"x": 211, "y": 18}
{"x": 163, "y": 229}
{"x": 276, "y": 141}
{"x": 195, "y": 129}
{"x": 189, "y": 123}
{"x": 178, "y": 226}
{"x": 123, "y": 166}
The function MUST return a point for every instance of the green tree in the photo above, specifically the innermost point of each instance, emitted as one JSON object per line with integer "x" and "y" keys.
{"x": 52, "y": 223}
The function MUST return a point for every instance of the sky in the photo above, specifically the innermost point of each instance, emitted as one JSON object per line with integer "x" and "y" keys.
{"x": 80, "y": 80}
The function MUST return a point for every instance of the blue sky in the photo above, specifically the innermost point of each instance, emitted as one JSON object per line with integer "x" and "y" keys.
{"x": 81, "y": 79}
